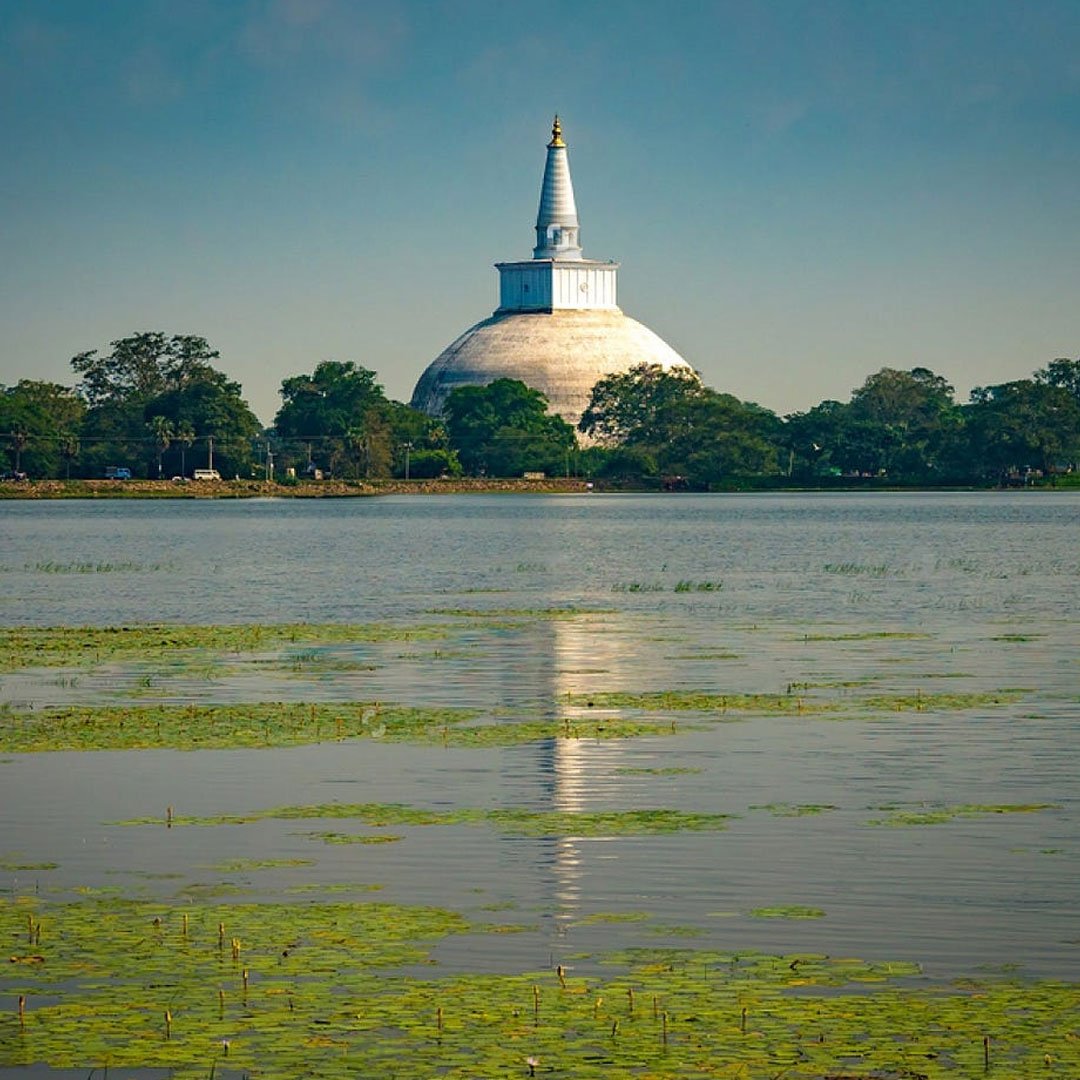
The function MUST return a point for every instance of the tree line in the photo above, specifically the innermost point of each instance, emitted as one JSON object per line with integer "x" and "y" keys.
{"x": 901, "y": 427}
{"x": 159, "y": 406}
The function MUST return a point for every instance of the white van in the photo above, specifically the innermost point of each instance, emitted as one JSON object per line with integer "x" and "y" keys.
{"x": 207, "y": 474}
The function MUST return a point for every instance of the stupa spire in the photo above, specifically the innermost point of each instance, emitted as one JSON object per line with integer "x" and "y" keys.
{"x": 556, "y": 220}
{"x": 558, "y": 326}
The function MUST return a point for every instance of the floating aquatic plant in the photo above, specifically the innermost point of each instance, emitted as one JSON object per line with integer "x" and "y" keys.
{"x": 920, "y": 702}
{"x": 795, "y": 809}
{"x": 94, "y": 567}
{"x": 516, "y": 732}
{"x": 275, "y": 724}
{"x": 789, "y": 911}
{"x": 857, "y": 569}
{"x": 237, "y": 865}
{"x": 677, "y": 931}
{"x": 77, "y": 646}
{"x": 694, "y": 701}
{"x": 15, "y": 864}
{"x": 332, "y": 887}
{"x": 926, "y": 814}
{"x": 868, "y": 635}
{"x": 203, "y": 727}
{"x": 613, "y": 917}
{"x": 519, "y": 821}
{"x": 354, "y": 838}
{"x": 786, "y": 704}
{"x": 318, "y": 990}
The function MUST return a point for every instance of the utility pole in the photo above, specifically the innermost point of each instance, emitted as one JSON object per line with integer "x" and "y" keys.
{"x": 408, "y": 448}
{"x": 269, "y": 463}
{"x": 209, "y": 451}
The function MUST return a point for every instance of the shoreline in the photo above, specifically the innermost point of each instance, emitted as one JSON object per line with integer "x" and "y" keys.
{"x": 52, "y": 490}
{"x": 29, "y": 490}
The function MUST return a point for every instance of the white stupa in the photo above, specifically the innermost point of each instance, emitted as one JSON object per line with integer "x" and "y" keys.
{"x": 558, "y": 327}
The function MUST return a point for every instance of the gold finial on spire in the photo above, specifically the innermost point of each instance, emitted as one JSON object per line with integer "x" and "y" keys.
{"x": 556, "y": 133}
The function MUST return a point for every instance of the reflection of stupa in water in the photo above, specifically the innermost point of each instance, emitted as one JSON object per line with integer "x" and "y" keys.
{"x": 558, "y": 327}
{"x": 561, "y": 657}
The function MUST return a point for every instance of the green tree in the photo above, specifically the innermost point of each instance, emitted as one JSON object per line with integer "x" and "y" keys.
{"x": 149, "y": 375}
{"x": 1023, "y": 425}
{"x": 621, "y": 463}
{"x": 142, "y": 366}
{"x": 184, "y": 437}
{"x": 355, "y": 444}
{"x": 328, "y": 402}
{"x": 423, "y": 434}
{"x": 816, "y": 439}
{"x": 162, "y": 430}
{"x": 1062, "y": 373}
{"x": 831, "y": 439}
{"x": 209, "y": 406}
{"x": 907, "y": 420}
{"x": 70, "y": 446}
{"x": 623, "y": 407}
{"x": 713, "y": 439}
{"x": 19, "y": 438}
{"x": 335, "y": 412}
{"x": 900, "y": 424}
{"x": 504, "y": 429}
{"x": 35, "y": 418}
{"x": 429, "y": 464}
{"x": 668, "y": 423}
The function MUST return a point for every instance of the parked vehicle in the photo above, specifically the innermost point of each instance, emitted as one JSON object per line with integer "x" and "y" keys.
{"x": 207, "y": 474}
{"x": 117, "y": 472}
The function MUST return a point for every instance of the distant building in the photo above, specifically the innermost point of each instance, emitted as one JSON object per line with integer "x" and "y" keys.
{"x": 558, "y": 327}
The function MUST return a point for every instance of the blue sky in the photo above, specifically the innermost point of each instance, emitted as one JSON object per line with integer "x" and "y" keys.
{"x": 799, "y": 193}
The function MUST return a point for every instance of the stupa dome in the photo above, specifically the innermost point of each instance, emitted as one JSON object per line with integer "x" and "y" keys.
{"x": 558, "y": 327}
{"x": 561, "y": 353}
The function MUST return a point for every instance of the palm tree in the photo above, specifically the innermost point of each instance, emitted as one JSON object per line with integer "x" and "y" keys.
{"x": 19, "y": 439}
{"x": 356, "y": 444}
{"x": 162, "y": 430}
{"x": 69, "y": 450}
{"x": 185, "y": 436}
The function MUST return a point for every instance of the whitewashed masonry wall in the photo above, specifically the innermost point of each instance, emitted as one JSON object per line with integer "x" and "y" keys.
{"x": 545, "y": 285}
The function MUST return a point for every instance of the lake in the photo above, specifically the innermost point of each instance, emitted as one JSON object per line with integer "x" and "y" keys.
{"x": 898, "y": 826}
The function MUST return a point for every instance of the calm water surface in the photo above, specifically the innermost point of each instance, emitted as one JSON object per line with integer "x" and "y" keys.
{"x": 721, "y": 593}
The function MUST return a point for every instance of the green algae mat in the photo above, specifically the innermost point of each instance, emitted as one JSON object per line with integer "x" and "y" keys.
{"x": 513, "y": 820}
{"x": 176, "y": 650}
{"x": 329, "y": 990}
{"x": 277, "y": 724}
{"x": 280, "y": 724}
{"x": 788, "y": 704}
{"x": 64, "y": 646}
